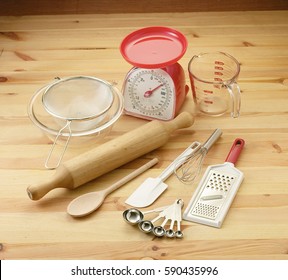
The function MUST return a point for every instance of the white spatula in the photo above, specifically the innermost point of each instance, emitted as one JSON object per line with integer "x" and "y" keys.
{"x": 152, "y": 188}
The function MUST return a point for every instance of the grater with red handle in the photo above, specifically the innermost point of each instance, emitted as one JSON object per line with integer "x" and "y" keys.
{"x": 216, "y": 190}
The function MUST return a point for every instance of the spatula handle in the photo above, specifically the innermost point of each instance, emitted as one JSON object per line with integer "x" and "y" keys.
{"x": 235, "y": 150}
{"x": 131, "y": 176}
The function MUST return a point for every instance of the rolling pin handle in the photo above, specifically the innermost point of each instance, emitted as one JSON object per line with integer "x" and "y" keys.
{"x": 61, "y": 179}
{"x": 183, "y": 120}
{"x": 35, "y": 192}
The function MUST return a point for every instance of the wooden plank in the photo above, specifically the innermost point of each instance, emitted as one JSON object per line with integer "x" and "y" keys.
{"x": 35, "y": 49}
{"x": 126, "y": 23}
{"x": 32, "y": 7}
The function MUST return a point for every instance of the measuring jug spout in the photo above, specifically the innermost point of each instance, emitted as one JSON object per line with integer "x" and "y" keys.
{"x": 235, "y": 94}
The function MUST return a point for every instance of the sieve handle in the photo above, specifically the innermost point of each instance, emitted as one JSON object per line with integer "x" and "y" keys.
{"x": 235, "y": 150}
{"x": 67, "y": 125}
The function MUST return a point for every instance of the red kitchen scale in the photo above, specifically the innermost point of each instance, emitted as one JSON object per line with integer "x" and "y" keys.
{"x": 155, "y": 87}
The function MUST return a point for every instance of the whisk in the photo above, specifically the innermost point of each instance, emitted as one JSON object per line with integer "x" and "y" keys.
{"x": 190, "y": 166}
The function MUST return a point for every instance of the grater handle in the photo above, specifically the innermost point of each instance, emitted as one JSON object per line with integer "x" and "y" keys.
{"x": 235, "y": 150}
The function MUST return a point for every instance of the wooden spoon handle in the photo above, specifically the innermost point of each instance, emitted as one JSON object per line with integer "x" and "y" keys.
{"x": 130, "y": 176}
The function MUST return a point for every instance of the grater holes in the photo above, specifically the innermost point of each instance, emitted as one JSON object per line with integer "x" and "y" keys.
{"x": 205, "y": 210}
{"x": 220, "y": 182}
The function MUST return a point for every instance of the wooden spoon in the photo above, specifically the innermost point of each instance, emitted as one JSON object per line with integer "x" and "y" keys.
{"x": 89, "y": 202}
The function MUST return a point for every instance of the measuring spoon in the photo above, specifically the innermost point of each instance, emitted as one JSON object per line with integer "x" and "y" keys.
{"x": 134, "y": 216}
{"x": 159, "y": 231}
{"x": 89, "y": 202}
{"x": 170, "y": 232}
{"x": 179, "y": 233}
{"x": 147, "y": 226}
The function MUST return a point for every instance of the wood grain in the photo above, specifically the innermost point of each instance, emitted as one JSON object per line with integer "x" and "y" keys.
{"x": 35, "y": 49}
{"x": 46, "y": 7}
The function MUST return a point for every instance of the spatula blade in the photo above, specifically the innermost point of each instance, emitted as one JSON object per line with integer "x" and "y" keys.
{"x": 146, "y": 193}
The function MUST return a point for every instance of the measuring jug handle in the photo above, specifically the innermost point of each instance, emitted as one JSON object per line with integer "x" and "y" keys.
{"x": 234, "y": 91}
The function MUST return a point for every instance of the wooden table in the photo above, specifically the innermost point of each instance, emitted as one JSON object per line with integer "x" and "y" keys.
{"x": 35, "y": 49}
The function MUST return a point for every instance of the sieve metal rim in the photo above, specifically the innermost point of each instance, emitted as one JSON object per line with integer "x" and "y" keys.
{"x": 31, "y": 113}
{"x": 89, "y": 117}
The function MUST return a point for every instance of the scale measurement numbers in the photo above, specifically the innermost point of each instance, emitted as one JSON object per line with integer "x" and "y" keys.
{"x": 150, "y": 93}
{"x": 192, "y": 270}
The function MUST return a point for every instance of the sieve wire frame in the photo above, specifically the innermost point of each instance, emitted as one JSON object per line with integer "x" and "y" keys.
{"x": 118, "y": 97}
{"x": 49, "y": 87}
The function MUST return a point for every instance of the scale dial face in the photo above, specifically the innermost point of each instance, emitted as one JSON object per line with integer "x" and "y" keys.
{"x": 149, "y": 94}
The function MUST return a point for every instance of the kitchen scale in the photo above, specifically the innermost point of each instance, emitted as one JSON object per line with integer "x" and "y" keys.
{"x": 155, "y": 87}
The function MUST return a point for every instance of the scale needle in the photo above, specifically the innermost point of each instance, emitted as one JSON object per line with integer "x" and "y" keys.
{"x": 149, "y": 92}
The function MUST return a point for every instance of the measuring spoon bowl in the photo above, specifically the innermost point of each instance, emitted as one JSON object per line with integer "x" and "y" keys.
{"x": 146, "y": 226}
{"x": 170, "y": 233}
{"x": 133, "y": 216}
{"x": 159, "y": 231}
{"x": 179, "y": 234}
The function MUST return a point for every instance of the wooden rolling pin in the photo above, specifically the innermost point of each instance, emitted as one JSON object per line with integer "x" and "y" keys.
{"x": 110, "y": 155}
